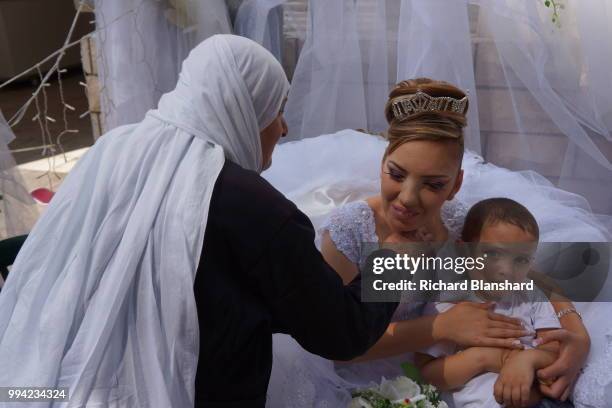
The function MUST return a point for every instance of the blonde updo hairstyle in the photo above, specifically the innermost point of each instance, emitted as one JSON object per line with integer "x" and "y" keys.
{"x": 443, "y": 126}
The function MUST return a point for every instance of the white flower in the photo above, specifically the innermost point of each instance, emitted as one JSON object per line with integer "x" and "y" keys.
{"x": 407, "y": 387}
{"x": 359, "y": 402}
{"x": 428, "y": 388}
{"x": 429, "y": 404}
{"x": 399, "y": 389}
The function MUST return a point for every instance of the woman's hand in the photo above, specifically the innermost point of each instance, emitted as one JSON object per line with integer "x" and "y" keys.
{"x": 573, "y": 351}
{"x": 470, "y": 324}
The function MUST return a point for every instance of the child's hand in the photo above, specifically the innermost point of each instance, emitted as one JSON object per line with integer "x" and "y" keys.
{"x": 515, "y": 380}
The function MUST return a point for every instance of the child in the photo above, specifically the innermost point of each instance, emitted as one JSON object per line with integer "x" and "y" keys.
{"x": 506, "y": 235}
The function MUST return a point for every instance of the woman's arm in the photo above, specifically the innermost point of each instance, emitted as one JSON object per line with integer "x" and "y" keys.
{"x": 574, "y": 342}
{"x": 346, "y": 269}
{"x": 404, "y": 336}
{"x": 306, "y": 298}
{"x": 574, "y": 346}
{"x": 465, "y": 324}
{"x": 570, "y": 321}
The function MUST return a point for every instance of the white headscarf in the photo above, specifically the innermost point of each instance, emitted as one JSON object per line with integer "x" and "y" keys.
{"x": 100, "y": 298}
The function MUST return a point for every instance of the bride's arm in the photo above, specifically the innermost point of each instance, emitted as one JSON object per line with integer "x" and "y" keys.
{"x": 574, "y": 341}
{"x": 574, "y": 346}
{"x": 569, "y": 321}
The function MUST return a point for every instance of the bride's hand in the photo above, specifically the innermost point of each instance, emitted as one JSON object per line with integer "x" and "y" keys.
{"x": 470, "y": 324}
{"x": 573, "y": 351}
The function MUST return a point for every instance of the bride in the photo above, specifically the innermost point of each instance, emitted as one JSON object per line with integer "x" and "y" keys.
{"x": 426, "y": 181}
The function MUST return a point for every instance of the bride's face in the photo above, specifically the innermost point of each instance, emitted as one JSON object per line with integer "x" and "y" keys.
{"x": 416, "y": 179}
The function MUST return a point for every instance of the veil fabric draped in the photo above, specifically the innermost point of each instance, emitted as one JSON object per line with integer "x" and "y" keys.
{"x": 100, "y": 298}
{"x": 262, "y": 21}
{"x": 18, "y": 210}
{"x": 540, "y": 92}
{"x": 140, "y": 47}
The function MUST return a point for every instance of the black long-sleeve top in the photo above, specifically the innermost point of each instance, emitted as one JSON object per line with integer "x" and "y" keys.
{"x": 260, "y": 273}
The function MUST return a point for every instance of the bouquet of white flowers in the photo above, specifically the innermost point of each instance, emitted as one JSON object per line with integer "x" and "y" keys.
{"x": 402, "y": 392}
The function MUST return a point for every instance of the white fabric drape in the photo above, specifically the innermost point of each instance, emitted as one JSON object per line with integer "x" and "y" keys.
{"x": 261, "y": 21}
{"x": 18, "y": 210}
{"x": 100, "y": 298}
{"x": 540, "y": 94}
{"x": 140, "y": 47}
{"x": 443, "y": 54}
{"x": 552, "y": 111}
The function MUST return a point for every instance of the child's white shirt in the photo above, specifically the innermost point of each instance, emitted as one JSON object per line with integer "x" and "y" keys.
{"x": 536, "y": 313}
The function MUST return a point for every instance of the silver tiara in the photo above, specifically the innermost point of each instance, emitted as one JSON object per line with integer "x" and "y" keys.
{"x": 406, "y": 106}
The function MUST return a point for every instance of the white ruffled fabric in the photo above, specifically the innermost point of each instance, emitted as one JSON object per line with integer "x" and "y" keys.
{"x": 322, "y": 173}
{"x": 100, "y": 299}
{"x": 18, "y": 210}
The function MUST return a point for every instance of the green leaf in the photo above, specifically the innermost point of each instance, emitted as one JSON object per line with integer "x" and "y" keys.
{"x": 547, "y": 3}
{"x": 411, "y": 371}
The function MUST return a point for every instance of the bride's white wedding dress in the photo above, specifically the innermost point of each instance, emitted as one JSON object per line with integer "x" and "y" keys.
{"x": 323, "y": 173}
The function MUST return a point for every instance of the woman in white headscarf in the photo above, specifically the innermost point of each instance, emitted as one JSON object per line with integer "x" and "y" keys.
{"x": 101, "y": 297}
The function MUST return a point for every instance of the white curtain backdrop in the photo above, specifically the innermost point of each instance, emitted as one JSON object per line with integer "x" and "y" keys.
{"x": 18, "y": 211}
{"x": 540, "y": 92}
{"x": 140, "y": 47}
{"x": 262, "y": 21}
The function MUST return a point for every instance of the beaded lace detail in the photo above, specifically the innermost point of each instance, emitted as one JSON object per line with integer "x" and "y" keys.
{"x": 353, "y": 225}
{"x": 591, "y": 389}
{"x": 349, "y": 227}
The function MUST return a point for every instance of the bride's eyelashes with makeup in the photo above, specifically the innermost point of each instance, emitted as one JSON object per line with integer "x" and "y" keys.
{"x": 399, "y": 176}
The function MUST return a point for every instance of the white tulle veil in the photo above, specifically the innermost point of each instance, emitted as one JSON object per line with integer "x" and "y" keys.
{"x": 100, "y": 299}
{"x": 18, "y": 211}
{"x": 540, "y": 90}
{"x": 140, "y": 47}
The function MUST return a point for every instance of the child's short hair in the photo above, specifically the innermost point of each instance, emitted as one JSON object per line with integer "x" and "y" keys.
{"x": 494, "y": 210}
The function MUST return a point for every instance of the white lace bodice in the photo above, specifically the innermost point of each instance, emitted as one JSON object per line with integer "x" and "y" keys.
{"x": 352, "y": 226}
